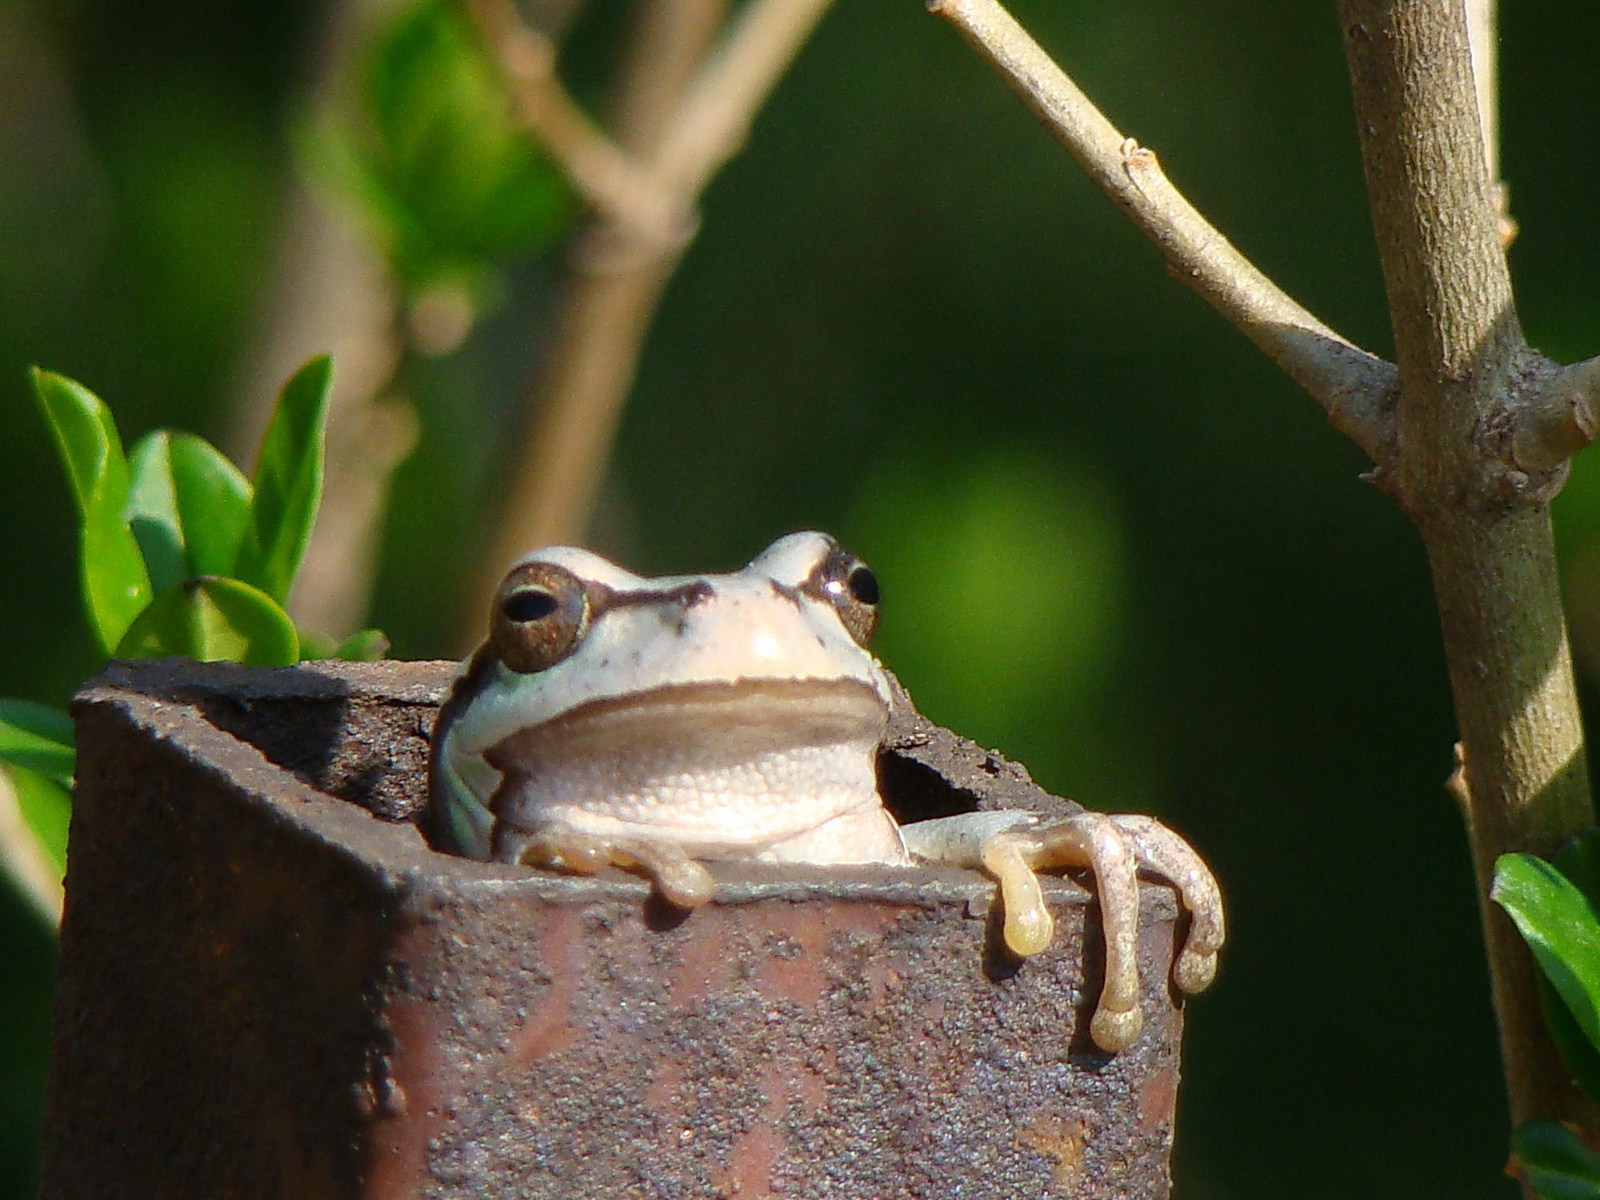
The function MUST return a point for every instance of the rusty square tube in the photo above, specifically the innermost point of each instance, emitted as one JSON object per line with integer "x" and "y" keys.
{"x": 271, "y": 987}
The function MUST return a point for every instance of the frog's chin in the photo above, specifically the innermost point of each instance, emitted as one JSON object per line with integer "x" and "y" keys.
{"x": 709, "y": 725}
{"x": 716, "y": 769}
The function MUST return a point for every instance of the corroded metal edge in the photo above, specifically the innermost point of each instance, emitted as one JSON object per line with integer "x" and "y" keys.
{"x": 269, "y": 969}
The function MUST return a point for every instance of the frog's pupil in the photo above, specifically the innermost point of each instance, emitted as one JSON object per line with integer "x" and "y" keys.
{"x": 864, "y": 585}
{"x": 531, "y": 604}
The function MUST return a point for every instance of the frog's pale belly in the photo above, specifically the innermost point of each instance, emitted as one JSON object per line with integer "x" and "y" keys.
{"x": 774, "y": 769}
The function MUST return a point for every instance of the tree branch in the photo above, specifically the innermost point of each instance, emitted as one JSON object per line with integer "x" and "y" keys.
{"x": 1356, "y": 388}
{"x": 1469, "y": 429}
{"x": 713, "y": 123}
{"x": 1558, "y": 419}
{"x": 628, "y": 195}
{"x": 684, "y": 112}
{"x": 1461, "y": 358}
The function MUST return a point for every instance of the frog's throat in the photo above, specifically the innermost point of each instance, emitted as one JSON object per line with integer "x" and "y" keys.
{"x": 717, "y": 768}
{"x": 711, "y": 724}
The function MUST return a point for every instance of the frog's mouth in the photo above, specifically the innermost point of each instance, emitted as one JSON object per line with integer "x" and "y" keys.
{"x": 690, "y": 726}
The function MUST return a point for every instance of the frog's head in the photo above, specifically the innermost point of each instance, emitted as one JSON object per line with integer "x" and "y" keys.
{"x": 591, "y": 672}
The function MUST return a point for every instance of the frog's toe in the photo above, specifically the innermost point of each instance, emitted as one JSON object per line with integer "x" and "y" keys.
{"x": 1028, "y": 927}
{"x": 1162, "y": 851}
{"x": 677, "y": 878}
{"x": 1087, "y": 839}
{"x": 1114, "y": 1030}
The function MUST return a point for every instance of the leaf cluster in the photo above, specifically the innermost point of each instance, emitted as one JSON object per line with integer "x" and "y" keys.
{"x": 180, "y": 554}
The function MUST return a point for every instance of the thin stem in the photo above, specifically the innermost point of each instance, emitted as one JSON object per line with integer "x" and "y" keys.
{"x": 714, "y": 120}
{"x": 1355, "y": 387}
{"x": 608, "y": 179}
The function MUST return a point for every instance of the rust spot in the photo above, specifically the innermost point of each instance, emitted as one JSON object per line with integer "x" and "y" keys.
{"x": 1060, "y": 1139}
{"x": 750, "y": 1160}
{"x": 548, "y": 1029}
{"x": 704, "y": 965}
{"x": 1158, "y": 1099}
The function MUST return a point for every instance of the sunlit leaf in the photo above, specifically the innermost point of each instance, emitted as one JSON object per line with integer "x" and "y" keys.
{"x": 116, "y": 584}
{"x": 1560, "y": 927}
{"x": 1555, "y": 1162}
{"x": 214, "y": 619}
{"x": 288, "y": 482}
{"x": 38, "y": 738}
{"x": 189, "y": 506}
{"x": 46, "y": 810}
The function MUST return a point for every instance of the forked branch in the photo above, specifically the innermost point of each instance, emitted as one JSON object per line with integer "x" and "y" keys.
{"x": 1470, "y": 432}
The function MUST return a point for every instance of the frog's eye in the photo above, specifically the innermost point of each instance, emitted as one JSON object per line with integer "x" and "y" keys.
{"x": 853, "y": 589}
{"x": 540, "y": 613}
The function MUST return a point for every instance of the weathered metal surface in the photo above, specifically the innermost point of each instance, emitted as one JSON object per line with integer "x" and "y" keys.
{"x": 266, "y": 991}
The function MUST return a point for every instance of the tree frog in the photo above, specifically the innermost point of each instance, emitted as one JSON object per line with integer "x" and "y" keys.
{"x": 657, "y": 723}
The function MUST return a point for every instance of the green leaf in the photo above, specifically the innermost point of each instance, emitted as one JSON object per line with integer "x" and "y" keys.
{"x": 116, "y": 584}
{"x": 38, "y": 738}
{"x": 189, "y": 507}
{"x": 1580, "y": 1055}
{"x": 1556, "y": 1162}
{"x": 1558, "y": 924}
{"x": 440, "y": 157}
{"x": 214, "y": 619}
{"x": 288, "y": 482}
{"x": 365, "y": 645}
{"x": 46, "y": 811}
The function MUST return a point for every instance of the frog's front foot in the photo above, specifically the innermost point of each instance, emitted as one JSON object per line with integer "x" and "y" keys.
{"x": 1012, "y": 846}
{"x": 676, "y": 878}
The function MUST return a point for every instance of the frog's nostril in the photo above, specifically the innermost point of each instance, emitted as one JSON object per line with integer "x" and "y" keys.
{"x": 699, "y": 592}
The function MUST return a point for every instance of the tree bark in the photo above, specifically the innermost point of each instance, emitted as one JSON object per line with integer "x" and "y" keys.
{"x": 1462, "y": 364}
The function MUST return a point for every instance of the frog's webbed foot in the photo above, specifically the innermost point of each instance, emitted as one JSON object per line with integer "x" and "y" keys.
{"x": 677, "y": 878}
{"x": 1013, "y": 845}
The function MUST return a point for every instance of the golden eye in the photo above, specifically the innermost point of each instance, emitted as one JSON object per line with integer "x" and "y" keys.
{"x": 852, "y": 587}
{"x": 540, "y": 613}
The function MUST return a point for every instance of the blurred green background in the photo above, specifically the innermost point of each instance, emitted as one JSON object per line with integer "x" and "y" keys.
{"x": 1114, "y": 541}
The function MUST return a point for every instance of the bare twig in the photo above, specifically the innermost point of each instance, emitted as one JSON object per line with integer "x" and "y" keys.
{"x": 1356, "y": 388}
{"x": 23, "y": 860}
{"x": 1560, "y": 418}
{"x": 684, "y": 112}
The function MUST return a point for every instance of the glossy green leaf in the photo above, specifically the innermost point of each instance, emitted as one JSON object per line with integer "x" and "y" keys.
{"x": 116, "y": 584}
{"x": 188, "y": 506}
{"x": 288, "y": 482}
{"x": 1555, "y": 1162}
{"x": 38, "y": 738}
{"x": 214, "y": 619}
{"x": 1560, "y": 927}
